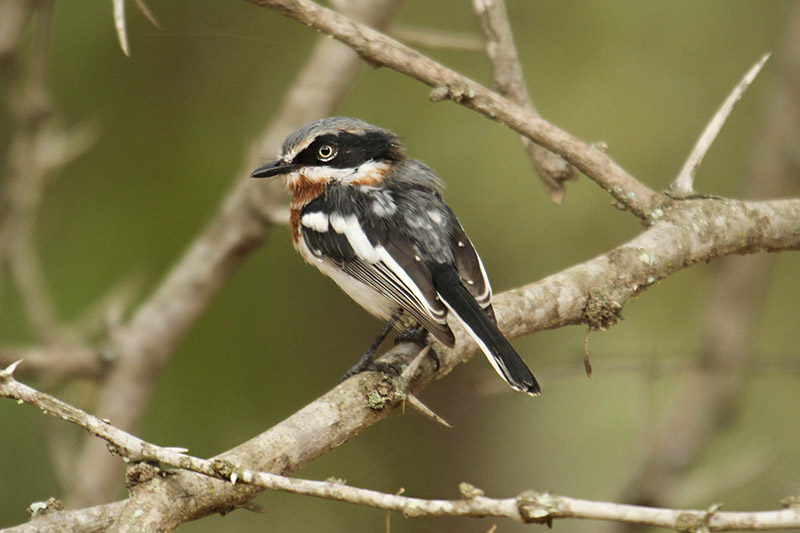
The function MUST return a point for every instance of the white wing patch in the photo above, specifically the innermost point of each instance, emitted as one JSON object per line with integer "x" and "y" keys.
{"x": 317, "y": 221}
{"x": 350, "y": 228}
{"x": 406, "y": 280}
{"x": 379, "y": 259}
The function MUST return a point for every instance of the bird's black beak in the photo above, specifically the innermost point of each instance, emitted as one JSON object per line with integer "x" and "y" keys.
{"x": 276, "y": 168}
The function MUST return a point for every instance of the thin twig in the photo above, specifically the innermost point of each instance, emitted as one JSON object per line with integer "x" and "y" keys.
{"x": 378, "y": 49}
{"x": 119, "y": 24}
{"x": 508, "y": 80}
{"x": 685, "y": 181}
{"x": 528, "y": 506}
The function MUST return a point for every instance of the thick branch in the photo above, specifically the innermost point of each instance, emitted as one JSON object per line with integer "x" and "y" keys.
{"x": 592, "y": 292}
{"x": 688, "y": 232}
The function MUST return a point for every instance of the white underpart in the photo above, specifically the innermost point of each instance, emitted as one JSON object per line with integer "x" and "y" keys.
{"x": 369, "y": 298}
{"x": 317, "y": 221}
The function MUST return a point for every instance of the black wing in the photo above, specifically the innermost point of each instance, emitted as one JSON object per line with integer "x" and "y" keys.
{"x": 371, "y": 248}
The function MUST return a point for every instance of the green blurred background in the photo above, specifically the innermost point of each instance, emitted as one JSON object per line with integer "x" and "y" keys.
{"x": 174, "y": 123}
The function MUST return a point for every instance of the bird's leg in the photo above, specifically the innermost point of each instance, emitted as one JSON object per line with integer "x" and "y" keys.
{"x": 418, "y": 336}
{"x": 366, "y": 362}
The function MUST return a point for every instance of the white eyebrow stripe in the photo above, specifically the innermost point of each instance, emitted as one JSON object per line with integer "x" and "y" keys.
{"x": 291, "y": 154}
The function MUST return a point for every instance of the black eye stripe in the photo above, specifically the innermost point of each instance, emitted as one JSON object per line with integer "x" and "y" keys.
{"x": 349, "y": 150}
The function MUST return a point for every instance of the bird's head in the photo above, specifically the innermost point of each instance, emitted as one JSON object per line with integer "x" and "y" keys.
{"x": 341, "y": 149}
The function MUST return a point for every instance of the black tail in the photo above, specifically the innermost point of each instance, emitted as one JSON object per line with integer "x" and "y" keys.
{"x": 505, "y": 360}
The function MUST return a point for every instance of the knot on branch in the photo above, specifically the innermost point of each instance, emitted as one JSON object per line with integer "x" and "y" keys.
{"x": 537, "y": 507}
{"x": 600, "y": 312}
{"x": 456, "y": 91}
{"x": 140, "y": 473}
{"x": 696, "y": 522}
{"x": 691, "y": 523}
{"x": 42, "y": 508}
{"x": 223, "y": 468}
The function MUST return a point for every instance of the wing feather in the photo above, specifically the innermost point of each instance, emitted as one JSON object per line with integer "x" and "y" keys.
{"x": 471, "y": 271}
{"x": 384, "y": 261}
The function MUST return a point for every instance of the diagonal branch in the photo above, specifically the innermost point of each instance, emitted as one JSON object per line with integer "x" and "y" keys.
{"x": 593, "y": 293}
{"x": 508, "y": 80}
{"x": 380, "y": 50}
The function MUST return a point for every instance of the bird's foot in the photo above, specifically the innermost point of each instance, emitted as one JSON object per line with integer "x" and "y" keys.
{"x": 418, "y": 336}
{"x": 369, "y": 365}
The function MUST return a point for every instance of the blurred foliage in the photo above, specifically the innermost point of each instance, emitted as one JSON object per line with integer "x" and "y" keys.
{"x": 174, "y": 122}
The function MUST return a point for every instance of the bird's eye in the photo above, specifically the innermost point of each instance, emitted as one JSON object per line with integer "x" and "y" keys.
{"x": 326, "y": 152}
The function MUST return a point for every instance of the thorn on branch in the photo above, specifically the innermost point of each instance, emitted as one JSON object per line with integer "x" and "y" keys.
{"x": 423, "y": 409}
{"x": 121, "y": 25}
{"x": 684, "y": 183}
{"x": 8, "y": 372}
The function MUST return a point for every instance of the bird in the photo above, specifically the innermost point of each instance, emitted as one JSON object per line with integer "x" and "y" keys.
{"x": 373, "y": 220}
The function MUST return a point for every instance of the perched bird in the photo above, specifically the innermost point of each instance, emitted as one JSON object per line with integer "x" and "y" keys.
{"x": 373, "y": 219}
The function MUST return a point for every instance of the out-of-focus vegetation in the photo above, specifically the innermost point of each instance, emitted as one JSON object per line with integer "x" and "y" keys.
{"x": 174, "y": 122}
